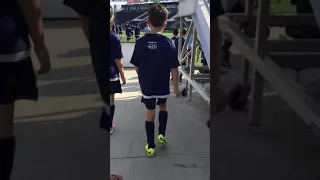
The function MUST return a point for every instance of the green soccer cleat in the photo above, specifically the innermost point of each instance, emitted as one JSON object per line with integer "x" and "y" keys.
{"x": 162, "y": 139}
{"x": 150, "y": 151}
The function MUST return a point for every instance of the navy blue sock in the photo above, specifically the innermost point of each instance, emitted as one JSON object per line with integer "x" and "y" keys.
{"x": 150, "y": 134}
{"x": 163, "y": 118}
{"x": 112, "y": 108}
{"x": 7, "y": 149}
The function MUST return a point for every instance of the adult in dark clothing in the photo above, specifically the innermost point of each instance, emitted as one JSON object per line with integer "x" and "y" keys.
{"x": 19, "y": 19}
{"x": 95, "y": 25}
{"x": 137, "y": 32}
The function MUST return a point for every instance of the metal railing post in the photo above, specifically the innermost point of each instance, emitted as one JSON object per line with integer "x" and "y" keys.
{"x": 193, "y": 57}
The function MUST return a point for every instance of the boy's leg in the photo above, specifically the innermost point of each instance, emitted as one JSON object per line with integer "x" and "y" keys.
{"x": 18, "y": 81}
{"x": 163, "y": 118}
{"x": 112, "y": 109}
{"x": 7, "y": 141}
{"x": 149, "y": 124}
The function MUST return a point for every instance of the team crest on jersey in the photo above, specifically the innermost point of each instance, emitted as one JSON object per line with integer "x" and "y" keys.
{"x": 152, "y": 45}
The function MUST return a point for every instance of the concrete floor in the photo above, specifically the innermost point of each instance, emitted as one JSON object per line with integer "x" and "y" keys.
{"x": 58, "y": 137}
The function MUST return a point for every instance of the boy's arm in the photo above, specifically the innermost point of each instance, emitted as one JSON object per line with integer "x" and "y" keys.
{"x": 173, "y": 63}
{"x": 175, "y": 77}
{"x": 32, "y": 14}
{"x": 119, "y": 63}
{"x": 117, "y": 53}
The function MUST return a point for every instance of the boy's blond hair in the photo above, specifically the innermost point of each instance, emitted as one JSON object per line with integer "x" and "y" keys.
{"x": 111, "y": 16}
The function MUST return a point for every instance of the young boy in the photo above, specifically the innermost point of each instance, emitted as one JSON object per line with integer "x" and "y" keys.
{"x": 132, "y": 27}
{"x": 146, "y": 30}
{"x": 128, "y": 33}
{"x": 184, "y": 38}
{"x": 189, "y": 45}
{"x": 18, "y": 20}
{"x": 137, "y": 32}
{"x": 116, "y": 29}
{"x": 175, "y": 38}
{"x": 155, "y": 57}
{"x": 116, "y": 71}
{"x": 184, "y": 34}
{"x": 120, "y": 31}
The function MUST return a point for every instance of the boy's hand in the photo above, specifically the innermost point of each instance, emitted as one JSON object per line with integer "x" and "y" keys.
{"x": 44, "y": 58}
{"x": 177, "y": 92}
{"x": 124, "y": 81}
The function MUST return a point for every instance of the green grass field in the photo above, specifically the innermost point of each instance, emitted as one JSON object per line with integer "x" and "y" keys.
{"x": 123, "y": 38}
{"x": 282, "y": 6}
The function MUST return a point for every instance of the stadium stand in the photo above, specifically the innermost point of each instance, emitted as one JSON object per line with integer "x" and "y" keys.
{"x": 137, "y": 14}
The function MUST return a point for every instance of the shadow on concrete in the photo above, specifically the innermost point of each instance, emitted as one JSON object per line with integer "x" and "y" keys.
{"x": 81, "y": 52}
{"x": 133, "y": 78}
{"x": 60, "y": 23}
{"x": 53, "y": 114}
{"x": 63, "y": 73}
{"x": 74, "y": 80}
{"x": 71, "y": 149}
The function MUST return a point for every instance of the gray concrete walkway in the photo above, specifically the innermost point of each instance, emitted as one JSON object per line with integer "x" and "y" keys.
{"x": 58, "y": 137}
{"x": 188, "y": 139}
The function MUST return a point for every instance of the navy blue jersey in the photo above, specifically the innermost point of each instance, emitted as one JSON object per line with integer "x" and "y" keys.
{"x": 137, "y": 31}
{"x": 128, "y": 31}
{"x": 155, "y": 55}
{"x": 116, "y": 29}
{"x": 115, "y": 53}
{"x": 176, "y": 43}
{"x": 183, "y": 41}
{"x": 14, "y": 35}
